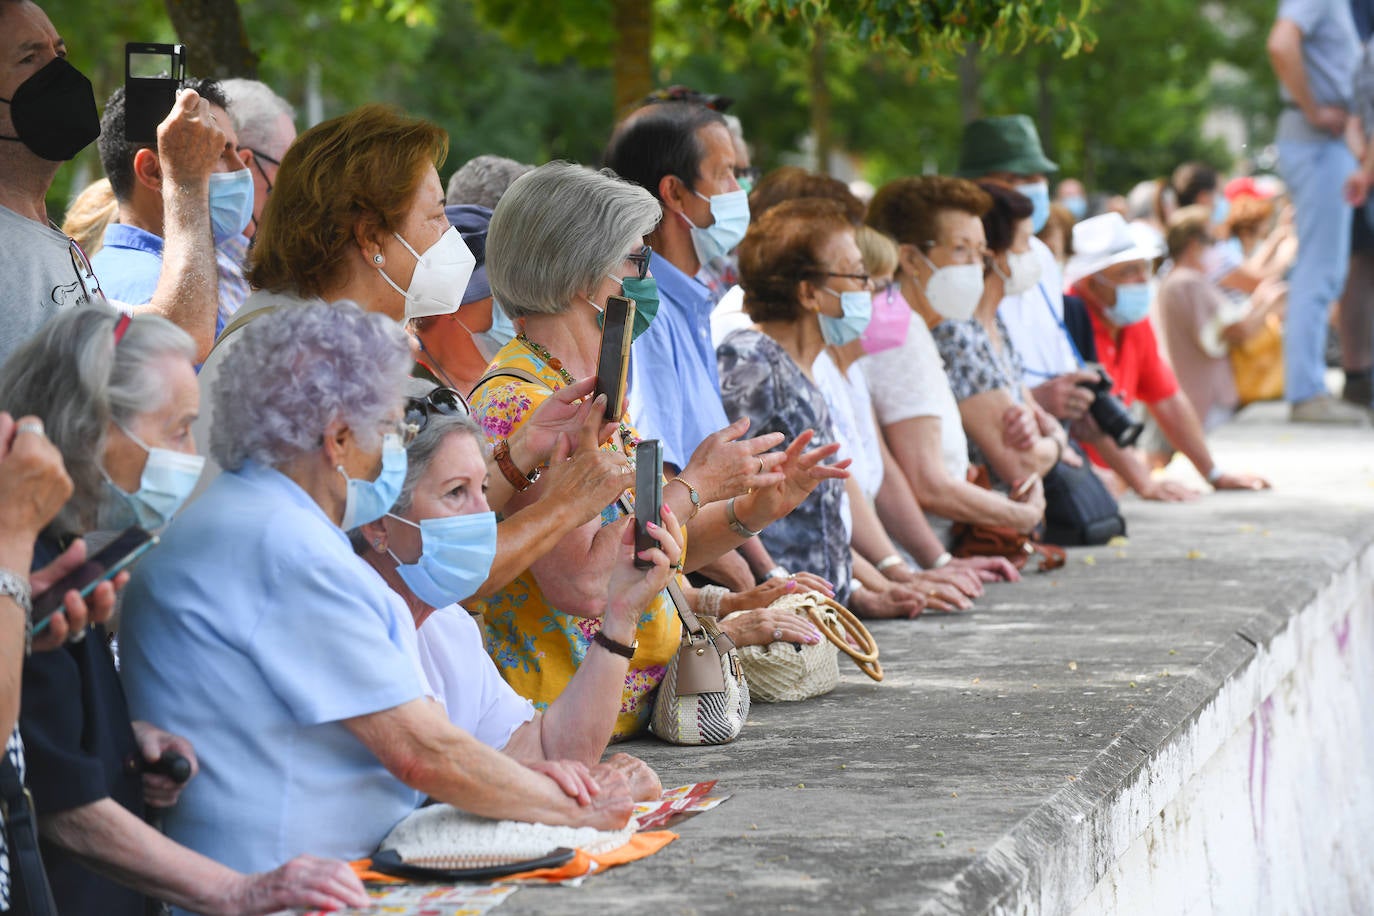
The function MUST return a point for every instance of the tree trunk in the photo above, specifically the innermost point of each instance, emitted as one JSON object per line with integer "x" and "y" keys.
{"x": 820, "y": 103}
{"x": 216, "y": 42}
{"x": 633, "y": 70}
{"x": 970, "y": 84}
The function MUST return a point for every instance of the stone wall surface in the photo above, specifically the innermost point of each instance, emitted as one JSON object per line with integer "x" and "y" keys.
{"x": 1180, "y": 725}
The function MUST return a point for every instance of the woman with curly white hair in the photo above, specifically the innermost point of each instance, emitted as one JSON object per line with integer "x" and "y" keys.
{"x": 116, "y": 395}
{"x": 257, "y": 632}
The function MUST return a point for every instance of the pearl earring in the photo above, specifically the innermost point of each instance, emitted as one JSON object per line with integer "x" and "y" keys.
{"x": 377, "y": 543}
{"x": 377, "y": 259}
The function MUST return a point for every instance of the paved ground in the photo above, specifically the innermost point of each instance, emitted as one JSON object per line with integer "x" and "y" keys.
{"x": 999, "y": 730}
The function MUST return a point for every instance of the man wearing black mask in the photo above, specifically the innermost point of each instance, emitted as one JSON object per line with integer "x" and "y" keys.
{"x": 47, "y": 116}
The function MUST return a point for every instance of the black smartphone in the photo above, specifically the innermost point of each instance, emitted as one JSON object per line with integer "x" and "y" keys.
{"x": 648, "y": 495}
{"x": 613, "y": 365}
{"x": 153, "y": 73}
{"x": 106, "y": 563}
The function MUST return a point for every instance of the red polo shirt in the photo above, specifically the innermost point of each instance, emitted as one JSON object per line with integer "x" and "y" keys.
{"x": 1133, "y": 360}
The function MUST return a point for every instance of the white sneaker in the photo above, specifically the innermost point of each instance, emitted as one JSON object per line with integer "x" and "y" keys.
{"x": 1328, "y": 410}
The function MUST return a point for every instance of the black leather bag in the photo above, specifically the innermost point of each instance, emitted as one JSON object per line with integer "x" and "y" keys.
{"x": 1078, "y": 508}
{"x": 30, "y": 894}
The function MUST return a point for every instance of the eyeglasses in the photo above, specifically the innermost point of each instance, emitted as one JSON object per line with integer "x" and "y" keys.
{"x": 965, "y": 254}
{"x": 749, "y": 173}
{"x": 443, "y": 401}
{"x": 640, "y": 259}
{"x": 865, "y": 279}
{"x": 81, "y": 266}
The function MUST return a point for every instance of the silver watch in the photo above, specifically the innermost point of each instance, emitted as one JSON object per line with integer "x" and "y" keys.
{"x": 17, "y": 587}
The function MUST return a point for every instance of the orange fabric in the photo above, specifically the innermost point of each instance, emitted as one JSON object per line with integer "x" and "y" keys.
{"x": 640, "y": 846}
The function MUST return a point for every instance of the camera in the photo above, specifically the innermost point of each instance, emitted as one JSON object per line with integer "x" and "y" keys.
{"x": 153, "y": 73}
{"x": 1108, "y": 412}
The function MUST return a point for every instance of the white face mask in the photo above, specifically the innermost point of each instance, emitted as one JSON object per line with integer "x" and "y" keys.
{"x": 1023, "y": 272}
{"x": 954, "y": 291}
{"x": 441, "y": 275}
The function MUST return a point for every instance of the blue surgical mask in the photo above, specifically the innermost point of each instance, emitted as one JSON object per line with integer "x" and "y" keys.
{"x": 231, "y": 203}
{"x": 1221, "y": 208}
{"x": 856, "y": 308}
{"x": 1077, "y": 205}
{"x": 1039, "y": 194}
{"x": 501, "y": 332}
{"x": 730, "y": 215}
{"x": 1132, "y": 304}
{"x": 368, "y": 500}
{"x": 456, "y": 554}
{"x": 168, "y": 478}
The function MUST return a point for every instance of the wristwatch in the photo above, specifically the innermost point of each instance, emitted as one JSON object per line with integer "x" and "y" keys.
{"x": 514, "y": 476}
{"x": 777, "y": 572}
{"x": 619, "y": 648}
{"x": 17, "y": 587}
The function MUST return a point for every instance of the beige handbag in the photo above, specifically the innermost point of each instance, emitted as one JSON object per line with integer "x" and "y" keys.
{"x": 787, "y": 672}
{"x": 704, "y": 697}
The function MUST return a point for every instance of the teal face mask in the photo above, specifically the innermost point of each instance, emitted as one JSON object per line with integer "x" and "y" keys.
{"x": 645, "y": 295}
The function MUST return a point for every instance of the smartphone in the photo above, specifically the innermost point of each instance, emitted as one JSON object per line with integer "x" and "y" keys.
{"x": 648, "y": 495}
{"x": 106, "y": 563}
{"x": 152, "y": 75}
{"x": 613, "y": 365}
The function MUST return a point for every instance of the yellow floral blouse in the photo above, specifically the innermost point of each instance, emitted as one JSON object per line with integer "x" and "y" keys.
{"x": 535, "y": 646}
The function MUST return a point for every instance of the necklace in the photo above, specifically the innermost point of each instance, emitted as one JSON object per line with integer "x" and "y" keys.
{"x": 554, "y": 363}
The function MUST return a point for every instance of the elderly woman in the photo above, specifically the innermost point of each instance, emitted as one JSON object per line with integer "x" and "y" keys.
{"x": 117, "y": 397}
{"x": 1008, "y": 431}
{"x": 561, "y": 241}
{"x": 432, "y": 549}
{"x": 256, "y": 631}
{"x": 357, "y": 212}
{"x": 937, "y": 224}
{"x": 804, "y": 287}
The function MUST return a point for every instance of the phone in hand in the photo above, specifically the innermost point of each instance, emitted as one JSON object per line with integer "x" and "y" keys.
{"x": 105, "y": 564}
{"x": 648, "y": 495}
{"x": 153, "y": 73}
{"x": 613, "y": 365}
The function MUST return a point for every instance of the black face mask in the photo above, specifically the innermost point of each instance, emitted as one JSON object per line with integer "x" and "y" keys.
{"x": 54, "y": 112}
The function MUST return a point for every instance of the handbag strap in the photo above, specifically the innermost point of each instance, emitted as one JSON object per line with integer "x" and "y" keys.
{"x": 238, "y": 323}
{"x": 29, "y": 890}
{"x": 512, "y": 372}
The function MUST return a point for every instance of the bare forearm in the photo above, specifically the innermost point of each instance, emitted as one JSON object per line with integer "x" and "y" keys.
{"x": 1125, "y": 463}
{"x": 578, "y": 725}
{"x": 902, "y": 517}
{"x": 526, "y": 536}
{"x": 187, "y": 291}
{"x": 869, "y": 538}
{"x": 112, "y": 841}
{"x": 16, "y": 556}
{"x": 1180, "y": 424}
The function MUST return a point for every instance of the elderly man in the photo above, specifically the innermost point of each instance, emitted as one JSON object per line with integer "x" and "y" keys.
{"x": 131, "y": 259}
{"x": 1110, "y": 271}
{"x": 482, "y": 180}
{"x": 45, "y": 271}
{"x": 1314, "y": 51}
{"x": 1008, "y": 149}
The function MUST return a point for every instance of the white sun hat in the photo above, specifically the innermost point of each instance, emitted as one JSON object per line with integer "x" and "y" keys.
{"x": 1103, "y": 241}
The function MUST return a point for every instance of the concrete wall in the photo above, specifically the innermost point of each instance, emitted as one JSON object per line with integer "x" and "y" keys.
{"x": 1265, "y": 803}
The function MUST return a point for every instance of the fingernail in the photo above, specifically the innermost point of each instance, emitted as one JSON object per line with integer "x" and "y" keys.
{"x": 791, "y": 584}
{"x": 813, "y": 639}
{"x": 650, "y": 526}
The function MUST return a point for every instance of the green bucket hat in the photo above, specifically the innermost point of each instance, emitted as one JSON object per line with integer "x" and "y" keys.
{"x": 1006, "y": 144}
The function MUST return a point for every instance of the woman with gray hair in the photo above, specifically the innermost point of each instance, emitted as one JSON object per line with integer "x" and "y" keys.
{"x": 257, "y": 631}
{"x": 563, "y": 239}
{"x": 117, "y": 397}
{"x": 433, "y": 547}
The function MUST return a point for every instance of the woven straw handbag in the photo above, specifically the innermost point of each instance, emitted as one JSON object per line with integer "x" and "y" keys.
{"x": 704, "y": 697}
{"x": 784, "y": 672}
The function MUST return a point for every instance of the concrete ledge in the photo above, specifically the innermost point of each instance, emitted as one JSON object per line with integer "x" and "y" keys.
{"x": 1086, "y": 740}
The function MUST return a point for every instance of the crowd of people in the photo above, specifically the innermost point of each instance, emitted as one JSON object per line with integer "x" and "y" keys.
{"x": 397, "y": 556}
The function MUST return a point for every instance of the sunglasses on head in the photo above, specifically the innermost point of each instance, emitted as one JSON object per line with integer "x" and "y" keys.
{"x": 443, "y": 401}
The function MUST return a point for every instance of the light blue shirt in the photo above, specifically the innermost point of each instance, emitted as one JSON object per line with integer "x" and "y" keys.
{"x": 253, "y": 630}
{"x": 129, "y": 263}
{"x": 1330, "y": 56}
{"x": 674, "y": 384}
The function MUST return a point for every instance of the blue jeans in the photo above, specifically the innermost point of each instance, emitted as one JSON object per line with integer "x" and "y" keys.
{"x": 1315, "y": 174}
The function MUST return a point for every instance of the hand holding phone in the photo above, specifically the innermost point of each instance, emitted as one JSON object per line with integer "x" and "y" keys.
{"x": 648, "y": 495}
{"x": 107, "y": 563}
{"x": 153, "y": 73}
{"x": 613, "y": 364}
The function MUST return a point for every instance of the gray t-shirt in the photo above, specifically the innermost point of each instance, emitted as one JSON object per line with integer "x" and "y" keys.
{"x": 41, "y": 273}
{"x": 1330, "y": 54}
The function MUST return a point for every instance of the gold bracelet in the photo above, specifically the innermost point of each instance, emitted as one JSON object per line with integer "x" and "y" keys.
{"x": 692, "y": 495}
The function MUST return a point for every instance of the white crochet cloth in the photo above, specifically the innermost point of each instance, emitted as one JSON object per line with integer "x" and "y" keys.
{"x": 441, "y": 836}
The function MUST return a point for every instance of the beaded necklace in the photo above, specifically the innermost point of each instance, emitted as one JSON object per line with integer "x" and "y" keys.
{"x": 554, "y": 363}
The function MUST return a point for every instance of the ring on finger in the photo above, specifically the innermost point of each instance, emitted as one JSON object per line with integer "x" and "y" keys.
{"x": 760, "y": 465}
{"x": 777, "y": 635}
{"x": 30, "y": 426}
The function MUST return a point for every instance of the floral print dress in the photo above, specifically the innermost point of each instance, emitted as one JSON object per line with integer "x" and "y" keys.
{"x": 536, "y": 647}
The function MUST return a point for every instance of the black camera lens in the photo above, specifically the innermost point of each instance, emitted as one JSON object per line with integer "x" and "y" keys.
{"x": 1110, "y": 414}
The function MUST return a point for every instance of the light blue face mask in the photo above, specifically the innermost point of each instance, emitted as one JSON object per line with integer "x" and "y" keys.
{"x": 168, "y": 478}
{"x": 1076, "y": 205}
{"x": 231, "y": 203}
{"x": 730, "y": 212}
{"x": 368, "y": 500}
{"x": 1221, "y": 208}
{"x": 1132, "y": 304}
{"x": 1039, "y": 194}
{"x": 856, "y": 307}
{"x": 501, "y": 332}
{"x": 456, "y": 554}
